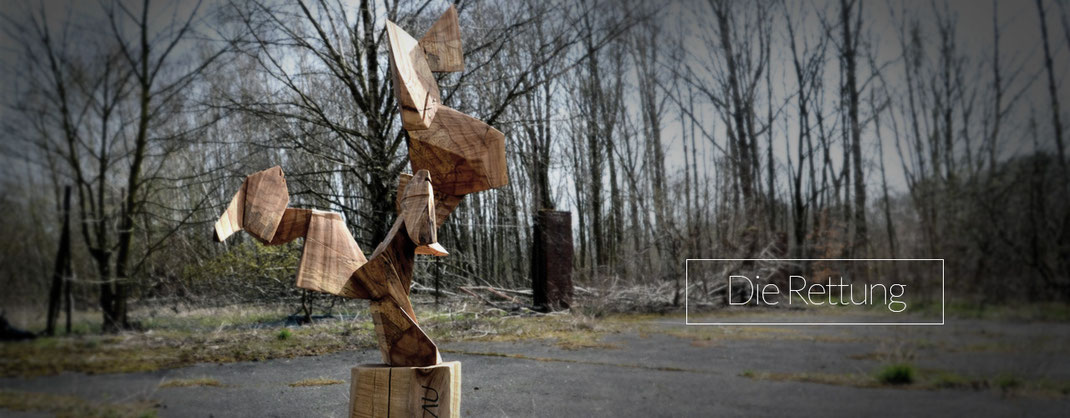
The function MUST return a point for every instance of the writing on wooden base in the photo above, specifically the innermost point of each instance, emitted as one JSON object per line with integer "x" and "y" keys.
{"x": 384, "y": 391}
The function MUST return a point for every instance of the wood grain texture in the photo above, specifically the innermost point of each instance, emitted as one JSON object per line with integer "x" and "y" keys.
{"x": 293, "y": 225}
{"x": 403, "y": 182}
{"x": 442, "y": 44}
{"x": 329, "y": 257}
{"x": 414, "y": 85}
{"x": 387, "y": 277}
{"x": 381, "y": 391}
{"x": 401, "y": 340}
{"x": 231, "y": 220}
{"x": 462, "y": 154}
{"x": 266, "y": 198}
{"x": 418, "y": 213}
{"x": 444, "y": 203}
{"x": 389, "y": 269}
{"x": 330, "y": 254}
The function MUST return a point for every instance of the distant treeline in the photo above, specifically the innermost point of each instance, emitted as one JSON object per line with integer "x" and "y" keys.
{"x": 670, "y": 130}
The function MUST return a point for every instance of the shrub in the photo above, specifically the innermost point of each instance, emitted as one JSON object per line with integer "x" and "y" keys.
{"x": 897, "y": 374}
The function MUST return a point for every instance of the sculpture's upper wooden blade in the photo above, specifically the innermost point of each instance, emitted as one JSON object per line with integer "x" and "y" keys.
{"x": 414, "y": 85}
{"x": 231, "y": 220}
{"x": 266, "y": 198}
{"x": 463, "y": 154}
{"x": 442, "y": 44}
{"x": 330, "y": 256}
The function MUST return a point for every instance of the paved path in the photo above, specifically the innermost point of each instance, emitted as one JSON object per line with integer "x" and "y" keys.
{"x": 648, "y": 374}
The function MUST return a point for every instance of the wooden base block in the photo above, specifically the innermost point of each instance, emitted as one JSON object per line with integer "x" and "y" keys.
{"x": 384, "y": 391}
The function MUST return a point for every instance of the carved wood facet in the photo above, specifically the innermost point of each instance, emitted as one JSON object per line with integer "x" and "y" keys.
{"x": 329, "y": 257}
{"x": 442, "y": 44}
{"x": 462, "y": 154}
{"x": 266, "y": 198}
{"x": 418, "y": 212}
{"x": 414, "y": 85}
{"x": 293, "y": 225}
{"x": 231, "y": 220}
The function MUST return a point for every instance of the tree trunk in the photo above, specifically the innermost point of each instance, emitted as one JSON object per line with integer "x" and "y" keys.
{"x": 62, "y": 268}
{"x": 1053, "y": 89}
{"x": 850, "y": 43}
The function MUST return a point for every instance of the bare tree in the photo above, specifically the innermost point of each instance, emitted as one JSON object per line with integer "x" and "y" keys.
{"x": 1053, "y": 89}
{"x": 849, "y": 55}
{"x": 119, "y": 109}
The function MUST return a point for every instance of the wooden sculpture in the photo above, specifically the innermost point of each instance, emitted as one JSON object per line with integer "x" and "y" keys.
{"x": 332, "y": 262}
{"x": 451, "y": 154}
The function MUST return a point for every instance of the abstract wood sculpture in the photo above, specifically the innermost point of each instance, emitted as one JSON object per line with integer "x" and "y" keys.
{"x": 332, "y": 262}
{"x": 452, "y": 154}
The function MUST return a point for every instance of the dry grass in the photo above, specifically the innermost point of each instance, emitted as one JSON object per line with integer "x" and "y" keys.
{"x": 566, "y": 330}
{"x": 72, "y": 406}
{"x": 230, "y": 337}
{"x": 186, "y": 383}
{"x": 319, "y": 381}
{"x": 153, "y": 350}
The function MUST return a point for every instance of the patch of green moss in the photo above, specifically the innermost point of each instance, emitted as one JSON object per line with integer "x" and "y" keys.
{"x": 896, "y": 374}
{"x": 1041, "y": 311}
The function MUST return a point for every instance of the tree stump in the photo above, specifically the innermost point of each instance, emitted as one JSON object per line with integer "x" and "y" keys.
{"x": 384, "y": 391}
{"x": 551, "y": 260}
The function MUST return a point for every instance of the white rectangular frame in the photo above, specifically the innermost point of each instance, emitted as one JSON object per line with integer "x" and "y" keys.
{"x": 687, "y": 317}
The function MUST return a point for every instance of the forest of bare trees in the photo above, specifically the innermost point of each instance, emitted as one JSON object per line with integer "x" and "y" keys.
{"x": 670, "y": 130}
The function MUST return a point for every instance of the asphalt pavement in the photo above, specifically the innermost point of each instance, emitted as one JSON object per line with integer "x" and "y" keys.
{"x": 642, "y": 373}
